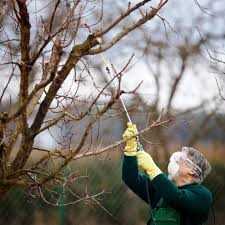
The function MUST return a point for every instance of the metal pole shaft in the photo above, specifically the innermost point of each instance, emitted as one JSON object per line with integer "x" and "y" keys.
{"x": 125, "y": 109}
{"x": 108, "y": 69}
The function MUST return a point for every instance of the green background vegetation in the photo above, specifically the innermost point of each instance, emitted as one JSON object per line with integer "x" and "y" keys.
{"x": 104, "y": 173}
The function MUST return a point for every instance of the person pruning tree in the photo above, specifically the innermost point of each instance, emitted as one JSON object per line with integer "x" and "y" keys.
{"x": 176, "y": 199}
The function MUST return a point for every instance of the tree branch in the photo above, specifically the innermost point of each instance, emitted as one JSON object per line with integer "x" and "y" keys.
{"x": 153, "y": 12}
{"x": 118, "y": 143}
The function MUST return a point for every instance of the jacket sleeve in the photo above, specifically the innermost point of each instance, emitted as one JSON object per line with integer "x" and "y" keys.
{"x": 139, "y": 183}
{"x": 195, "y": 201}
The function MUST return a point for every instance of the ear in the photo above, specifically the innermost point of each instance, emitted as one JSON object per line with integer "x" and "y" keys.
{"x": 193, "y": 174}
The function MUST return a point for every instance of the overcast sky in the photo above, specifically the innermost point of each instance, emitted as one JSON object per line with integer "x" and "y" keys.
{"x": 191, "y": 91}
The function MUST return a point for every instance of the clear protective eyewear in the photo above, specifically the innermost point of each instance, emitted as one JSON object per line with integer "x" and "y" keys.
{"x": 179, "y": 157}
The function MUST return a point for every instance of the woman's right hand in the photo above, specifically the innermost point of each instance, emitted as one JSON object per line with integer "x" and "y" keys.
{"x": 129, "y": 136}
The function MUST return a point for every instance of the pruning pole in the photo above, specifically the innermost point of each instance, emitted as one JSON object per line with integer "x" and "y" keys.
{"x": 108, "y": 67}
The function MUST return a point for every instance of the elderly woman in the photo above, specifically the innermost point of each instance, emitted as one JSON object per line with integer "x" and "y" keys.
{"x": 176, "y": 199}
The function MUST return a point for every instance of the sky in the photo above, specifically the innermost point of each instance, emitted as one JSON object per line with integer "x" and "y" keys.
{"x": 192, "y": 90}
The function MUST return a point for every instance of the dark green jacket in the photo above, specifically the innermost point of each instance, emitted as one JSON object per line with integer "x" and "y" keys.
{"x": 193, "y": 201}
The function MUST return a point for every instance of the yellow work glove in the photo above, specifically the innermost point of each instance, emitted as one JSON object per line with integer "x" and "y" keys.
{"x": 131, "y": 142}
{"x": 146, "y": 163}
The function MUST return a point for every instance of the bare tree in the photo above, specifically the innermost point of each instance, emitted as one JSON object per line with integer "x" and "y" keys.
{"x": 43, "y": 43}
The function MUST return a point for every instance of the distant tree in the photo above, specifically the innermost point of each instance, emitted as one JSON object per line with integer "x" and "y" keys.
{"x": 174, "y": 51}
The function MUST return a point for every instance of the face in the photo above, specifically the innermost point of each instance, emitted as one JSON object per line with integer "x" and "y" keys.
{"x": 184, "y": 169}
{"x": 177, "y": 167}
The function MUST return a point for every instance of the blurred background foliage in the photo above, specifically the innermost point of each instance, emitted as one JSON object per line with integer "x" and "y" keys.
{"x": 121, "y": 206}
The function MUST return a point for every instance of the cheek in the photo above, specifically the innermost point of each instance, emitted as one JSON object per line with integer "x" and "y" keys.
{"x": 184, "y": 170}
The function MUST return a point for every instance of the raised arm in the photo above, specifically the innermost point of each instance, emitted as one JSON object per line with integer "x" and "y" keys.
{"x": 139, "y": 183}
{"x": 194, "y": 200}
